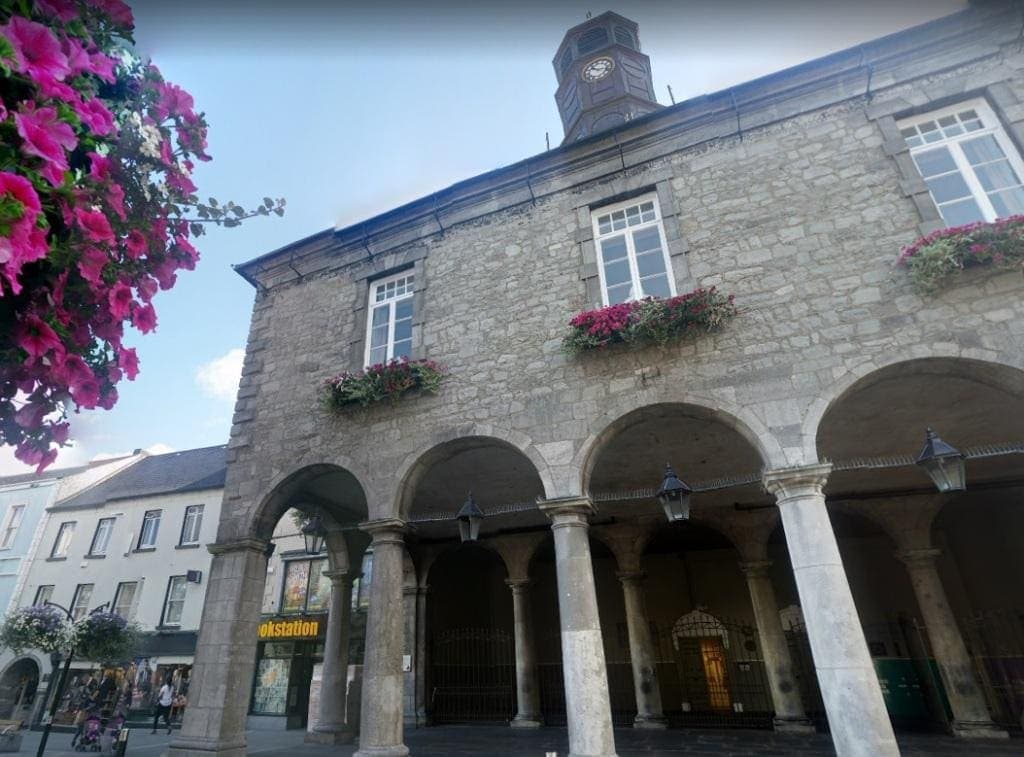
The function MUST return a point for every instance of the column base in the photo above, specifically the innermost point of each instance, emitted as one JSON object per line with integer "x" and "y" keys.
{"x": 966, "y": 729}
{"x": 330, "y": 735}
{"x": 650, "y": 723}
{"x": 186, "y": 747}
{"x": 525, "y": 722}
{"x": 399, "y": 750}
{"x": 793, "y": 725}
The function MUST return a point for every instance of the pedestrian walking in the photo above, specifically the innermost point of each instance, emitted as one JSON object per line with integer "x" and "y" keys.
{"x": 163, "y": 706}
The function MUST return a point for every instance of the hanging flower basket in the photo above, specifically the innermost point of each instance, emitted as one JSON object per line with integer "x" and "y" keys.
{"x": 649, "y": 321}
{"x": 105, "y": 637}
{"x": 43, "y": 628}
{"x": 383, "y": 381}
{"x": 931, "y": 260}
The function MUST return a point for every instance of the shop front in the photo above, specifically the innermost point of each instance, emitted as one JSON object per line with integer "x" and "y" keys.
{"x": 288, "y": 649}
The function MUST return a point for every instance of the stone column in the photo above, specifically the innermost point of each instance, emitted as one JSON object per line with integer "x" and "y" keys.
{"x": 527, "y": 686}
{"x": 225, "y": 653}
{"x": 380, "y": 731}
{"x": 588, "y": 708}
{"x": 409, "y": 594}
{"x": 789, "y": 708}
{"x": 849, "y": 685}
{"x": 420, "y": 655}
{"x": 971, "y": 718}
{"x": 649, "y": 713}
{"x": 331, "y": 727}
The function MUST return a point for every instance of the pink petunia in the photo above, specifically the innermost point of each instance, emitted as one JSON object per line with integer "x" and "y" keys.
{"x": 173, "y": 101}
{"x": 96, "y": 116}
{"x": 120, "y": 299}
{"x": 59, "y": 432}
{"x": 103, "y": 66}
{"x": 30, "y": 454}
{"x": 37, "y": 48}
{"x": 128, "y": 361}
{"x": 31, "y": 414}
{"x": 94, "y": 225}
{"x": 77, "y": 55}
{"x": 99, "y": 166}
{"x": 136, "y": 244}
{"x": 45, "y": 136}
{"x": 147, "y": 287}
{"x": 86, "y": 393}
{"x": 144, "y": 318}
{"x": 118, "y": 11}
{"x": 62, "y": 10}
{"x": 115, "y": 198}
{"x": 34, "y": 336}
{"x": 91, "y": 265}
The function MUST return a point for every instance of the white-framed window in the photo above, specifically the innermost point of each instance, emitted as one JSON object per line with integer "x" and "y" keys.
{"x": 63, "y": 541}
{"x": 80, "y": 603}
{"x": 633, "y": 256}
{"x": 174, "y": 603}
{"x": 124, "y": 597}
{"x": 389, "y": 318}
{"x": 150, "y": 529}
{"x": 11, "y": 525}
{"x": 43, "y": 595}
{"x": 972, "y": 169}
{"x": 192, "y": 524}
{"x": 101, "y": 538}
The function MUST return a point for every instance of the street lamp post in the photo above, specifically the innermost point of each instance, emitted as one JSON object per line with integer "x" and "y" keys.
{"x": 674, "y": 496}
{"x": 470, "y": 517}
{"x": 55, "y": 660}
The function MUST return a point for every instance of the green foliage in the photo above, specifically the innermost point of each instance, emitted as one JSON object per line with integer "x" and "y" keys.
{"x": 384, "y": 381}
{"x": 931, "y": 260}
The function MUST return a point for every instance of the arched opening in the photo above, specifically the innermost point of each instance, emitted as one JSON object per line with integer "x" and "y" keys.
{"x": 470, "y": 636}
{"x": 951, "y": 604}
{"x": 297, "y": 594}
{"x": 18, "y": 686}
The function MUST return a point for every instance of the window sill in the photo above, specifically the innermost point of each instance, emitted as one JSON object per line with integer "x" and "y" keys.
{"x": 56, "y": 559}
{"x": 163, "y": 627}
{"x": 187, "y": 546}
{"x": 143, "y": 549}
{"x": 95, "y": 557}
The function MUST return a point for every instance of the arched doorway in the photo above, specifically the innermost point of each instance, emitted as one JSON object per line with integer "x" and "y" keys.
{"x": 18, "y": 686}
{"x": 960, "y": 571}
{"x": 470, "y": 637}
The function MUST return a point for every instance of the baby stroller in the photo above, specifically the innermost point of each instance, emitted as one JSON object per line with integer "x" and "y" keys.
{"x": 89, "y": 741}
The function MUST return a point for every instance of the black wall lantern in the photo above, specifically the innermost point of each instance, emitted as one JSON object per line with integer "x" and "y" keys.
{"x": 314, "y": 534}
{"x": 469, "y": 518}
{"x": 943, "y": 463}
{"x": 674, "y": 496}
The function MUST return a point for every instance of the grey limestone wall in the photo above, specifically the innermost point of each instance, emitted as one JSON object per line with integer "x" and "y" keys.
{"x": 801, "y": 219}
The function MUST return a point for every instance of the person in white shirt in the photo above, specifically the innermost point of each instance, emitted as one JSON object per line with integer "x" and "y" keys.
{"x": 163, "y": 705}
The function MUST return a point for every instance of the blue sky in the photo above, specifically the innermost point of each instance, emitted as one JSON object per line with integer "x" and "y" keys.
{"x": 347, "y": 112}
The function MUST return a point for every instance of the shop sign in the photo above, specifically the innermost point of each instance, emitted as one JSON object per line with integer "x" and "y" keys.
{"x": 292, "y": 628}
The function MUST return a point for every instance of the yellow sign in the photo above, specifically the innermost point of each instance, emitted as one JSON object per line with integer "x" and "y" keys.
{"x": 301, "y": 628}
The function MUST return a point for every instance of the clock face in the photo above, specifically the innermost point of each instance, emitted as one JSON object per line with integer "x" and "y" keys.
{"x": 597, "y": 69}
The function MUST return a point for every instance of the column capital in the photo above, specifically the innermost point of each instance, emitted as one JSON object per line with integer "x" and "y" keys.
{"x": 631, "y": 577}
{"x": 246, "y": 544}
{"x": 755, "y": 568}
{"x": 567, "y": 511}
{"x": 518, "y": 585}
{"x": 916, "y": 558}
{"x": 341, "y": 576}
{"x": 802, "y": 481}
{"x": 385, "y": 530}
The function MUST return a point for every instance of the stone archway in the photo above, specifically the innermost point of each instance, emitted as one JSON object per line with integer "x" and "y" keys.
{"x": 874, "y": 431}
{"x": 18, "y": 685}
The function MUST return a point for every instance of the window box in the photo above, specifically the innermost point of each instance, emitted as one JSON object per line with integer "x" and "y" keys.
{"x": 931, "y": 260}
{"x": 383, "y": 381}
{"x": 649, "y": 321}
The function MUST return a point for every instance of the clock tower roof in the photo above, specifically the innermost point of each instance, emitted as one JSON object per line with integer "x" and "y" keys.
{"x": 604, "y": 79}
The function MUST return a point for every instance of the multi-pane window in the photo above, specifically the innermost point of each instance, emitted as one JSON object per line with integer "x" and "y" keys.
{"x": 193, "y": 522}
{"x": 80, "y": 603}
{"x": 174, "y": 605}
{"x": 101, "y": 538}
{"x": 972, "y": 170}
{"x": 150, "y": 529}
{"x": 389, "y": 323}
{"x": 11, "y": 525}
{"x": 124, "y": 597}
{"x": 43, "y": 595}
{"x": 633, "y": 257}
{"x": 306, "y": 588}
{"x": 63, "y": 541}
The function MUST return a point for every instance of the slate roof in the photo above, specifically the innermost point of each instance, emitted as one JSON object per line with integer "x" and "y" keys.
{"x": 53, "y": 474}
{"x": 187, "y": 471}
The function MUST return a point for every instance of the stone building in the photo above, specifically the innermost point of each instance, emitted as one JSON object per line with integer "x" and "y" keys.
{"x": 820, "y": 576}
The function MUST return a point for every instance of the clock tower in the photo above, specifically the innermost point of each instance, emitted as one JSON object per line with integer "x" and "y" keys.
{"x": 603, "y": 78}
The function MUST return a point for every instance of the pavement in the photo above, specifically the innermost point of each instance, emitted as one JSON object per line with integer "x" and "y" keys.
{"x": 501, "y": 741}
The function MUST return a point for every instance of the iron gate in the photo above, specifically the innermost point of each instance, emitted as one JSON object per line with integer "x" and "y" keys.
{"x": 472, "y": 676}
{"x": 712, "y": 673}
{"x": 995, "y": 641}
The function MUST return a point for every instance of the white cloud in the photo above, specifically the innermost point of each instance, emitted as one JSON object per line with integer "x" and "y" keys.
{"x": 219, "y": 378}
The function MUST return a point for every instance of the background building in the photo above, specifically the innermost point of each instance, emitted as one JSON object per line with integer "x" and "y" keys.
{"x": 136, "y": 543}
